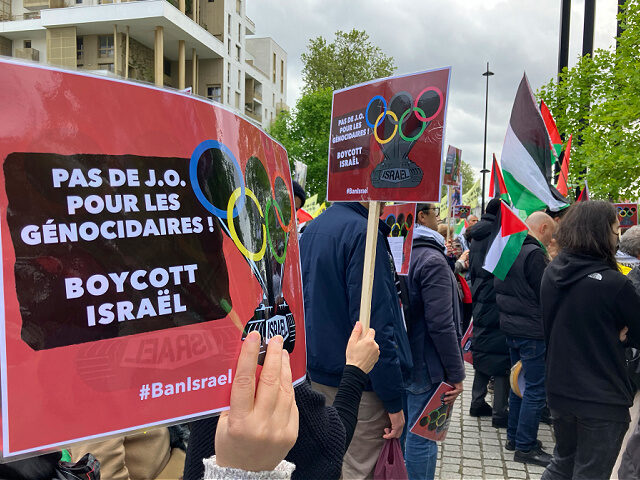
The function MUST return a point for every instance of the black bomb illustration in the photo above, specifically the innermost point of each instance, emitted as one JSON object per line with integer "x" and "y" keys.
{"x": 397, "y": 127}
{"x": 258, "y": 217}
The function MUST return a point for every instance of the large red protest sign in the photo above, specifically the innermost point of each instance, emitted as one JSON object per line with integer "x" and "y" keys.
{"x": 627, "y": 214}
{"x": 386, "y": 139}
{"x": 144, "y": 234}
{"x": 401, "y": 219}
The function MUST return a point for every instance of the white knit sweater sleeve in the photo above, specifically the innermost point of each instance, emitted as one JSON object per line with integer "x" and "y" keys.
{"x": 213, "y": 472}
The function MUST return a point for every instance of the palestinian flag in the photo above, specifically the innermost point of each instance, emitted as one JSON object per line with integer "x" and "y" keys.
{"x": 507, "y": 244}
{"x": 497, "y": 182}
{"x": 584, "y": 194}
{"x": 526, "y": 157}
{"x": 552, "y": 130}
{"x": 461, "y": 227}
{"x": 564, "y": 171}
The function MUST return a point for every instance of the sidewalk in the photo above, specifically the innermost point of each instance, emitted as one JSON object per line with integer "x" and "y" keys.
{"x": 474, "y": 449}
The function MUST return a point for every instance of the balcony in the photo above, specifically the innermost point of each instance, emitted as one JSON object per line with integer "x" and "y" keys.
{"x": 280, "y": 106}
{"x": 28, "y": 54}
{"x": 42, "y": 4}
{"x": 253, "y": 115}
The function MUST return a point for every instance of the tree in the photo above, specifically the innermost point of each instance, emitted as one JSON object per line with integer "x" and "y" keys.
{"x": 350, "y": 59}
{"x": 598, "y": 101}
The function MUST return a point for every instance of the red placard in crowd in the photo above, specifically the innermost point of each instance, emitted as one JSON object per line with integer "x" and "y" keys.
{"x": 433, "y": 422}
{"x": 461, "y": 211}
{"x": 452, "y": 174}
{"x": 387, "y": 137}
{"x": 401, "y": 219}
{"x": 465, "y": 344}
{"x": 145, "y": 232}
{"x": 627, "y": 214}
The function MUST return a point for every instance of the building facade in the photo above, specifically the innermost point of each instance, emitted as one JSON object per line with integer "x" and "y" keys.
{"x": 208, "y": 45}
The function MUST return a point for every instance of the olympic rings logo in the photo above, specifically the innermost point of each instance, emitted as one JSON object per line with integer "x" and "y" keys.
{"x": 399, "y": 226}
{"x": 462, "y": 210}
{"x": 437, "y": 419}
{"x": 236, "y": 203}
{"x": 626, "y": 211}
{"x": 429, "y": 100}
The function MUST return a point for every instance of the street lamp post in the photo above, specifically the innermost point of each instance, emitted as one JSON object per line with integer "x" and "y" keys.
{"x": 484, "y": 171}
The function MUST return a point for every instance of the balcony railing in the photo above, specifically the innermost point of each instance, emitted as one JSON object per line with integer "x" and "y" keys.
{"x": 28, "y": 54}
{"x": 42, "y": 4}
{"x": 250, "y": 114}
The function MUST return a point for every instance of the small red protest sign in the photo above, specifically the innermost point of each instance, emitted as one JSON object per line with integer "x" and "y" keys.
{"x": 627, "y": 214}
{"x": 433, "y": 422}
{"x": 145, "y": 232}
{"x": 387, "y": 137}
{"x": 401, "y": 219}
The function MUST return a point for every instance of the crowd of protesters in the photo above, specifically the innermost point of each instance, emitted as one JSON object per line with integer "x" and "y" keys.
{"x": 563, "y": 323}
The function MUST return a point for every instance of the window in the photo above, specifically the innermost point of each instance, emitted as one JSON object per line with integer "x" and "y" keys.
{"x": 237, "y": 100}
{"x": 167, "y": 67}
{"x": 238, "y": 6}
{"x": 281, "y": 76}
{"x": 274, "y": 68}
{"x": 239, "y": 33}
{"x": 105, "y": 46}
{"x": 214, "y": 92}
{"x": 229, "y": 95}
{"x": 229, "y": 46}
{"x": 228, "y": 73}
{"x": 78, "y": 2}
{"x": 229, "y": 24}
{"x": 238, "y": 52}
{"x": 106, "y": 66}
{"x": 239, "y": 80}
{"x": 274, "y": 101}
{"x": 27, "y": 44}
{"x": 79, "y": 47}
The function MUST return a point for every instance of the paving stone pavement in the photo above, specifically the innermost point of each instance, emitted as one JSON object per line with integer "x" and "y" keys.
{"x": 474, "y": 449}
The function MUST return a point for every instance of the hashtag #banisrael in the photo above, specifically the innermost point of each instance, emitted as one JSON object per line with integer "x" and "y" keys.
{"x": 144, "y": 392}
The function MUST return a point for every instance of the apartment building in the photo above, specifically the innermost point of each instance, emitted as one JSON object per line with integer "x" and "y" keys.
{"x": 208, "y": 45}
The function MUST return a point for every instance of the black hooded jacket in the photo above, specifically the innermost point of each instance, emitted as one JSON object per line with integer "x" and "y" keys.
{"x": 489, "y": 344}
{"x": 585, "y": 304}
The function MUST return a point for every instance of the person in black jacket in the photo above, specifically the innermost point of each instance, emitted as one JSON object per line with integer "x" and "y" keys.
{"x": 488, "y": 344}
{"x": 588, "y": 308}
{"x": 518, "y": 299}
{"x": 324, "y": 433}
{"x": 434, "y": 326}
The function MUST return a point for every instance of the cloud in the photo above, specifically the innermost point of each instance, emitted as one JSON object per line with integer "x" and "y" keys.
{"x": 513, "y": 36}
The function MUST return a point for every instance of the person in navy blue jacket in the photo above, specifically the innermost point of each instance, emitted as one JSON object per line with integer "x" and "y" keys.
{"x": 435, "y": 330}
{"x": 332, "y": 256}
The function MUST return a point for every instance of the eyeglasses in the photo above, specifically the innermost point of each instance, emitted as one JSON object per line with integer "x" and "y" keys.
{"x": 435, "y": 209}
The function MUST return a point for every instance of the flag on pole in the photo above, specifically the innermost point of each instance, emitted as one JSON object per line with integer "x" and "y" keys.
{"x": 497, "y": 182}
{"x": 507, "y": 244}
{"x": 564, "y": 170}
{"x": 461, "y": 227}
{"x": 526, "y": 156}
{"x": 584, "y": 194}
{"x": 552, "y": 129}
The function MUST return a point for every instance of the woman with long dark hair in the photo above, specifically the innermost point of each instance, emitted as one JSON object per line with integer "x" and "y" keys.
{"x": 589, "y": 310}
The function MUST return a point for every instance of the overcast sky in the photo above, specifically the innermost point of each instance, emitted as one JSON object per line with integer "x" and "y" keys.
{"x": 512, "y": 35}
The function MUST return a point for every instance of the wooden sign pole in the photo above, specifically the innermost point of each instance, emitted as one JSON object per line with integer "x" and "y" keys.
{"x": 449, "y": 210}
{"x": 369, "y": 264}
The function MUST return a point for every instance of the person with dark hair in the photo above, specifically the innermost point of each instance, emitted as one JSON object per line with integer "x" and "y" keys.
{"x": 518, "y": 299}
{"x": 435, "y": 329}
{"x": 589, "y": 309}
{"x": 299, "y": 195}
{"x": 488, "y": 344}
